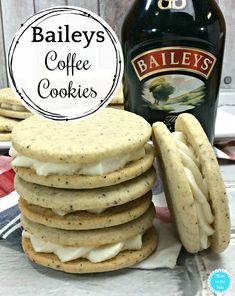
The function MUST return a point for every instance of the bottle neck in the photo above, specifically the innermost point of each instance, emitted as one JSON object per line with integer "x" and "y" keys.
{"x": 173, "y": 4}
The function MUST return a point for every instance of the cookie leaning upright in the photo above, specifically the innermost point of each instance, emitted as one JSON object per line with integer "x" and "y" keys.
{"x": 106, "y": 149}
{"x": 193, "y": 185}
{"x": 211, "y": 172}
{"x": 177, "y": 190}
{"x": 10, "y": 106}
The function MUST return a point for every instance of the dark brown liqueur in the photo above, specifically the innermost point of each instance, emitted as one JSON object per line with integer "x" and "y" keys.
{"x": 173, "y": 60}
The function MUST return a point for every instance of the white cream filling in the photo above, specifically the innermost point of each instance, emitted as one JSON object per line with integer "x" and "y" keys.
{"x": 64, "y": 213}
{"x": 199, "y": 189}
{"x": 13, "y": 107}
{"x": 102, "y": 167}
{"x": 93, "y": 254}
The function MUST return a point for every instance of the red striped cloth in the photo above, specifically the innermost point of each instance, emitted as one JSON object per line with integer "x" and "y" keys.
{"x": 6, "y": 176}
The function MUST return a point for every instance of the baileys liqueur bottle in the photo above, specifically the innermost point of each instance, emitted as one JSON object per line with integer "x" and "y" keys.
{"x": 173, "y": 52}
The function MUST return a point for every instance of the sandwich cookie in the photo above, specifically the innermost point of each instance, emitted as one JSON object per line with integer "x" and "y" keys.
{"x": 7, "y": 124}
{"x": 106, "y": 149}
{"x": 86, "y": 251}
{"x": 118, "y": 99}
{"x": 90, "y": 250}
{"x": 90, "y": 219}
{"x": 85, "y": 199}
{"x": 5, "y": 136}
{"x": 91, "y": 237}
{"x": 123, "y": 259}
{"x": 119, "y": 107}
{"x": 67, "y": 209}
{"x": 10, "y": 106}
{"x": 193, "y": 185}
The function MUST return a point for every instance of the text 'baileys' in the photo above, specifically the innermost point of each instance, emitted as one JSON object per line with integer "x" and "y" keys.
{"x": 173, "y": 53}
{"x": 64, "y": 34}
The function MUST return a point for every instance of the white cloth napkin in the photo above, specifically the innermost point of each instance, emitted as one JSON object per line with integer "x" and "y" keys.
{"x": 167, "y": 251}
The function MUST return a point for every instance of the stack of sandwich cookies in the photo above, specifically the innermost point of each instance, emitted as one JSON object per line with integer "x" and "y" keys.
{"x": 10, "y": 106}
{"x": 86, "y": 206}
{"x": 193, "y": 185}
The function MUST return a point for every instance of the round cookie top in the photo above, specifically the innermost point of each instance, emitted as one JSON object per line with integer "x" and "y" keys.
{"x": 8, "y": 96}
{"x": 107, "y": 134}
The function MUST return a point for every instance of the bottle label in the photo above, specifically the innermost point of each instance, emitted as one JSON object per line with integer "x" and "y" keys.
{"x": 173, "y": 79}
{"x": 172, "y": 4}
{"x": 174, "y": 58}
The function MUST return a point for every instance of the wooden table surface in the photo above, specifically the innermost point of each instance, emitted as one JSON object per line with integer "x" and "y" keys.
{"x": 18, "y": 276}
